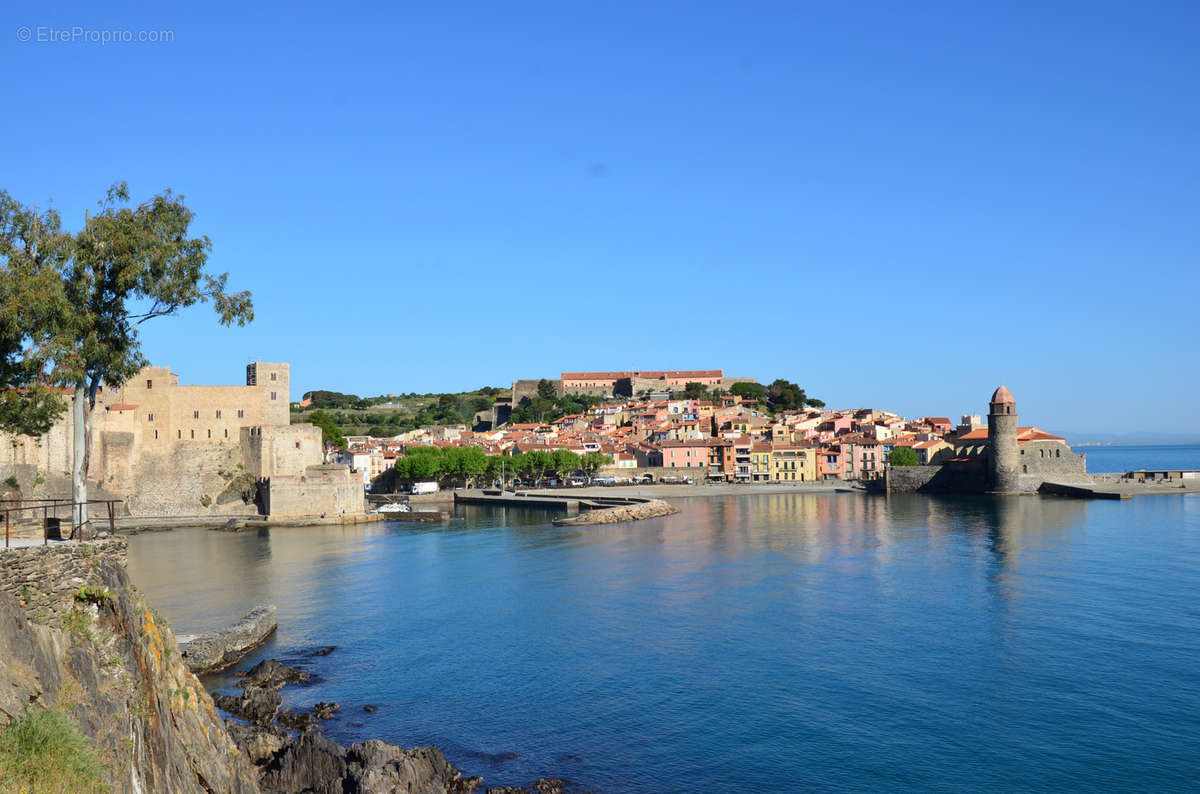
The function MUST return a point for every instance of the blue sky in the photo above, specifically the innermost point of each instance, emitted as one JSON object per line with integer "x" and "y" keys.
{"x": 893, "y": 205}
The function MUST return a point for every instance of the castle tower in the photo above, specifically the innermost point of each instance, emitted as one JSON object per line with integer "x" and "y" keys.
{"x": 275, "y": 380}
{"x": 1002, "y": 439}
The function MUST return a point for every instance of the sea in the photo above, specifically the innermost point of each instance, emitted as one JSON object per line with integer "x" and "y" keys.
{"x": 751, "y": 643}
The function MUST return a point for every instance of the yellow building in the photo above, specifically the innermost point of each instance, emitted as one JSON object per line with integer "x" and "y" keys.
{"x": 760, "y": 462}
{"x": 793, "y": 463}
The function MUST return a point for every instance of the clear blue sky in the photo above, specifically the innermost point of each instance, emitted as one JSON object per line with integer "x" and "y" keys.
{"x": 895, "y": 205}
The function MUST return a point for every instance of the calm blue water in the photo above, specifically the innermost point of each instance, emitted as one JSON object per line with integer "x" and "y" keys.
{"x": 749, "y": 644}
{"x": 1128, "y": 457}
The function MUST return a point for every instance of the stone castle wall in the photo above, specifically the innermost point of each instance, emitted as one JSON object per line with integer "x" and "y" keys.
{"x": 332, "y": 490}
{"x": 171, "y": 450}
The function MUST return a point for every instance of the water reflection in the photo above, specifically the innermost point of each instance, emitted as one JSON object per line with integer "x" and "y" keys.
{"x": 839, "y": 637}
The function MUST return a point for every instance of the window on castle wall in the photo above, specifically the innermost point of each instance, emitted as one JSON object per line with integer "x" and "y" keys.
{"x": 272, "y": 376}
{"x": 195, "y": 414}
{"x": 156, "y": 434}
{"x": 272, "y": 395}
{"x": 227, "y": 432}
{"x": 149, "y": 384}
{"x": 241, "y": 414}
{"x": 193, "y": 434}
{"x": 218, "y": 413}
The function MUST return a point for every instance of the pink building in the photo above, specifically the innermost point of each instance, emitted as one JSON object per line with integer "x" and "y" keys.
{"x": 684, "y": 454}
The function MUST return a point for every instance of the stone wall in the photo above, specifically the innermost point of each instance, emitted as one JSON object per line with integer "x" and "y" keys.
{"x": 288, "y": 450}
{"x": 909, "y": 479}
{"x": 329, "y": 489}
{"x": 44, "y": 579}
{"x": 1050, "y": 460}
{"x": 969, "y": 477}
{"x": 697, "y": 473}
{"x": 527, "y": 387}
{"x": 162, "y": 447}
{"x": 179, "y": 481}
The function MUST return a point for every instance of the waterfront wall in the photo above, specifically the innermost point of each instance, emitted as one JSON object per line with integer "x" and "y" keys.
{"x": 945, "y": 478}
{"x": 329, "y": 489}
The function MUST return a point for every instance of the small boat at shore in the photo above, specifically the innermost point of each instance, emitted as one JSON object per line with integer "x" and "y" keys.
{"x": 394, "y": 507}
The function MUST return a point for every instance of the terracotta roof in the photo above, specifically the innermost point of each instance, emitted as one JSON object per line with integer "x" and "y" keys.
{"x": 122, "y": 407}
{"x": 1003, "y": 395}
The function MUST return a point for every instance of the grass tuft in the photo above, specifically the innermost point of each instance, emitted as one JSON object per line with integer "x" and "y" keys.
{"x": 43, "y": 751}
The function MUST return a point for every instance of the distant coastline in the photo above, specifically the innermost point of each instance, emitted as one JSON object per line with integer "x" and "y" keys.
{"x": 1136, "y": 443}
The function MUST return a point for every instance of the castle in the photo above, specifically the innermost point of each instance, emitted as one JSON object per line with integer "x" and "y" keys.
{"x": 167, "y": 449}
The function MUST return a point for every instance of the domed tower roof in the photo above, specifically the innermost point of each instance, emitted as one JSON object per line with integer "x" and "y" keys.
{"x": 1003, "y": 395}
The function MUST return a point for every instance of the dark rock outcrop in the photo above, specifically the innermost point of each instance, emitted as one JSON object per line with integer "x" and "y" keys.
{"x": 217, "y": 651}
{"x": 545, "y": 785}
{"x": 311, "y": 763}
{"x": 260, "y": 700}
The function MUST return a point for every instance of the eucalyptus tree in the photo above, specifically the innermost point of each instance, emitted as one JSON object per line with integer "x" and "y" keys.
{"x": 32, "y": 247}
{"x": 126, "y": 266}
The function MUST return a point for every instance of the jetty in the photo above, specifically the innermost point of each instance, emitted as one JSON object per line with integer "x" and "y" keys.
{"x": 571, "y": 503}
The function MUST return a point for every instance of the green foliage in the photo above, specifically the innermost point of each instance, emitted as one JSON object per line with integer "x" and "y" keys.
{"x": 903, "y": 456}
{"x": 591, "y": 462}
{"x": 32, "y": 247}
{"x": 695, "y": 391}
{"x": 11, "y": 482}
{"x": 749, "y": 391}
{"x": 565, "y": 462}
{"x": 331, "y": 434}
{"x": 546, "y": 390}
{"x": 44, "y": 751}
{"x": 90, "y": 291}
{"x": 335, "y": 399}
{"x": 78, "y": 623}
{"x": 88, "y": 594}
{"x": 784, "y": 395}
{"x": 543, "y": 409}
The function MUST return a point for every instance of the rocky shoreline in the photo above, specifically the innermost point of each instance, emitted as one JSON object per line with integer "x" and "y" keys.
{"x": 291, "y": 755}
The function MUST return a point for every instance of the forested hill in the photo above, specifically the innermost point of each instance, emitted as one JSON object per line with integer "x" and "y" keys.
{"x": 389, "y": 415}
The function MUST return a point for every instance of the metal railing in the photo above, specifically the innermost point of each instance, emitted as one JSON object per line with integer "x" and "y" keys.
{"x": 51, "y": 521}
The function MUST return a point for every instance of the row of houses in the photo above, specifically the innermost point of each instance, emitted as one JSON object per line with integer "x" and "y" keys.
{"x": 729, "y": 439}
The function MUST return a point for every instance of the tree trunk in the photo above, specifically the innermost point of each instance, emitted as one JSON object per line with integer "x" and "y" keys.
{"x": 78, "y": 457}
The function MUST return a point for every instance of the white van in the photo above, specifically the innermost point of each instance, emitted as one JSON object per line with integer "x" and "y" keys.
{"x": 424, "y": 487}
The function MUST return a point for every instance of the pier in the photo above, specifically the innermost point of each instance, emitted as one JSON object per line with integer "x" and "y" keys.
{"x": 571, "y": 504}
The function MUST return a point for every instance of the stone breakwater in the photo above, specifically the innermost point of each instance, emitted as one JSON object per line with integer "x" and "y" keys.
{"x": 215, "y": 651}
{"x": 651, "y": 508}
